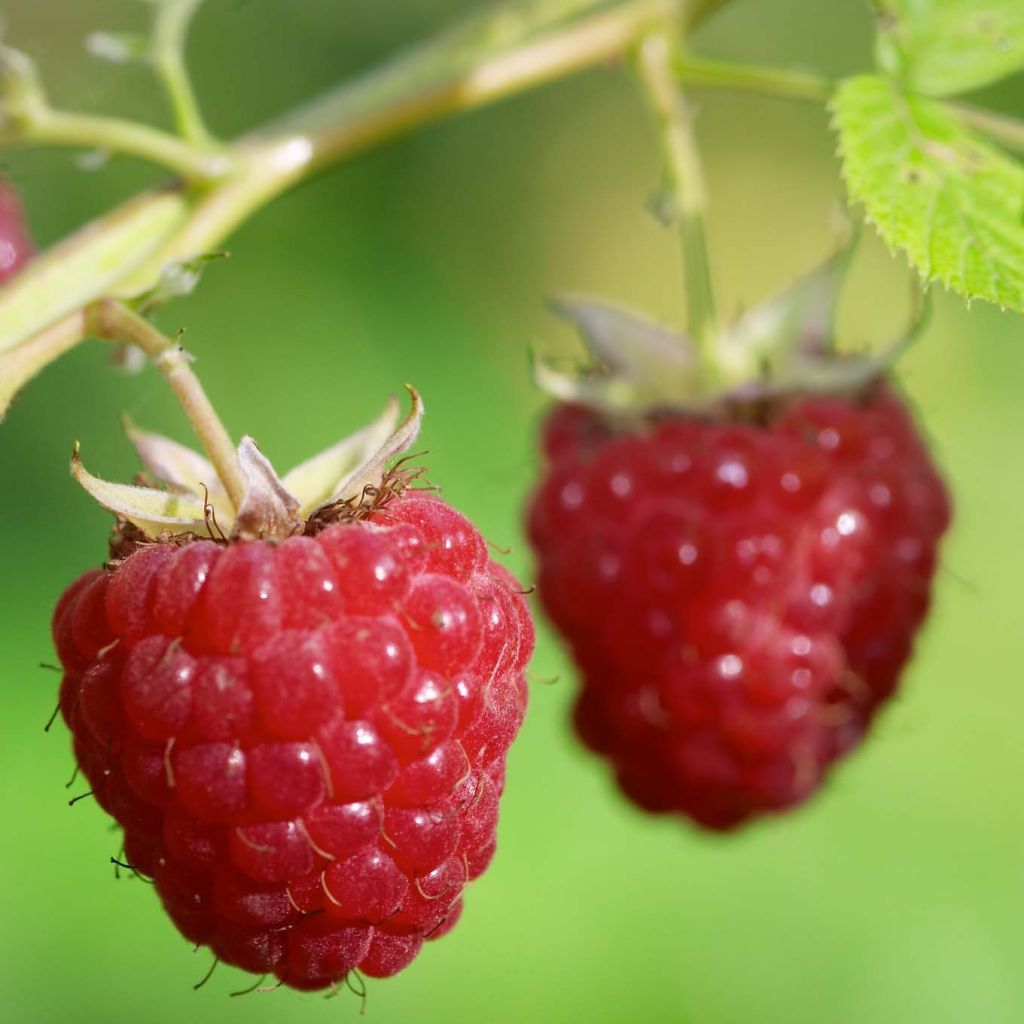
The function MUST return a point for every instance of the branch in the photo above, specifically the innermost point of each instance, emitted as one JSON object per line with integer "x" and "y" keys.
{"x": 492, "y": 56}
{"x": 466, "y": 69}
{"x": 51, "y": 127}
{"x": 170, "y": 28}
{"x": 405, "y": 94}
{"x": 27, "y": 119}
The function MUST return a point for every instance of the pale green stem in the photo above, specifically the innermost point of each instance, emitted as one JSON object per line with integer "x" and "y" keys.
{"x": 50, "y": 127}
{"x": 685, "y": 180}
{"x": 1007, "y": 130}
{"x": 489, "y": 57}
{"x": 170, "y": 28}
{"x": 113, "y": 321}
{"x": 406, "y": 93}
{"x": 784, "y": 83}
{"x": 780, "y": 82}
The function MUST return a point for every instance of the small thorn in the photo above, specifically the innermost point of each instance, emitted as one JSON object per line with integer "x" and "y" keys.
{"x": 82, "y": 796}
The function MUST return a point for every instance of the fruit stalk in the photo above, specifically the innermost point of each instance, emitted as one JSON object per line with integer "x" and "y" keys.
{"x": 170, "y": 27}
{"x": 113, "y": 321}
{"x": 685, "y": 180}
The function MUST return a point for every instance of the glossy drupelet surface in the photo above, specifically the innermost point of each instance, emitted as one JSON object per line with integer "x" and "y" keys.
{"x": 305, "y": 744}
{"x": 739, "y": 599}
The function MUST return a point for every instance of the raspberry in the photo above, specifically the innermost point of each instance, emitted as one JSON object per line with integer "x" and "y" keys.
{"x": 15, "y": 243}
{"x": 740, "y": 598}
{"x": 304, "y": 742}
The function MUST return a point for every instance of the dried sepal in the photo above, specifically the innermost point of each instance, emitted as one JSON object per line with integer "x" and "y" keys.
{"x": 814, "y": 370}
{"x": 628, "y": 342}
{"x": 349, "y": 480}
{"x": 796, "y": 323}
{"x": 180, "y": 468}
{"x": 268, "y": 511}
{"x": 156, "y": 513}
{"x": 366, "y": 480}
{"x": 784, "y": 346}
{"x": 316, "y": 480}
{"x": 637, "y": 362}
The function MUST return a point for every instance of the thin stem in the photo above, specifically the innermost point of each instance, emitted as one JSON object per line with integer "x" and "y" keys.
{"x": 686, "y": 184}
{"x": 779, "y": 82}
{"x": 170, "y": 28}
{"x": 1007, "y": 130}
{"x": 784, "y": 83}
{"x": 471, "y": 67}
{"x": 113, "y": 321}
{"x": 60, "y": 128}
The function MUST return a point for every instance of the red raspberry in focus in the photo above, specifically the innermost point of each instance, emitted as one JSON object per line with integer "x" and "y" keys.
{"x": 304, "y": 742}
{"x": 15, "y": 243}
{"x": 740, "y": 599}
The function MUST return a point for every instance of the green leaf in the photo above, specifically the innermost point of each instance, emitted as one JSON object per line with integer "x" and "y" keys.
{"x": 942, "y": 47}
{"x": 935, "y": 190}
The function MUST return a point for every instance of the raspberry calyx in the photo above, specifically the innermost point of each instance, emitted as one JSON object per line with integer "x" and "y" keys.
{"x": 346, "y": 481}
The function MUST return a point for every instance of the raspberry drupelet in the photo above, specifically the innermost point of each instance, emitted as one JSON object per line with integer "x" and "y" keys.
{"x": 304, "y": 739}
{"x": 740, "y": 597}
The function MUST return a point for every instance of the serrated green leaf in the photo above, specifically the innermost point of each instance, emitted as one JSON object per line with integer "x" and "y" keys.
{"x": 943, "y": 47}
{"x": 935, "y": 190}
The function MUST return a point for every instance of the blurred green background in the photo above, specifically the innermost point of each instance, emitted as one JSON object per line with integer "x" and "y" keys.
{"x": 895, "y": 897}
